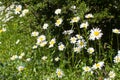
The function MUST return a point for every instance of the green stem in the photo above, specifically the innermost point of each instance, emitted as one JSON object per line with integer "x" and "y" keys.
{"x": 118, "y": 41}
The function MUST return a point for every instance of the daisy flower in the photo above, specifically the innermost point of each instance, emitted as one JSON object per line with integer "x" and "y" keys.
{"x": 68, "y": 32}
{"x": 75, "y": 19}
{"x": 22, "y": 54}
{"x": 35, "y": 33}
{"x": 52, "y": 42}
{"x": 18, "y": 9}
{"x": 28, "y": 59}
{"x": 118, "y": 52}
{"x": 59, "y": 73}
{"x": 95, "y": 33}
{"x": 73, "y": 7}
{"x": 84, "y": 25}
{"x": 89, "y": 16}
{"x": 44, "y": 58}
{"x": 77, "y": 49}
{"x": 20, "y": 57}
{"x": 58, "y": 22}
{"x": 43, "y": 43}
{"x": 34, "y": 47}
{"x": 90, "y": 50}
{"x": 14, "y": 57}
{"x": 79, "y": 36}
{"x": 20, "y": 68}
{"x": 111, "y": 74}
{"x": 41, "y": 38}
{"x": 117, "y": 59}
{"x": 57, "y": 59}
{"x": 81, "y": 43}
{"x": 24, "y": 12}
{"x": 98, "y": 65}
{"x": 3, "y": 29}
{"x": 86, "y": 69}
{"x": 57, "y": 11}
{"x": 117, "y": 31}
{"x": 61, "y": 47}
{"x": 73, "y": 40}
{"x": 45, "y": 26}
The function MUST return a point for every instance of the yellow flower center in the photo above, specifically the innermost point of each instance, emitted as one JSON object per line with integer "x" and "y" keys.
{"x": 81, "y": 43}
{"x": 41, "y": 39}
{"x": 61, "y": 46}
{"x": 87, "y": 68}
{"x": 52, "y": 42}
{"x": 75, "y": 19}
{"x": 18, "y": 9}
{"x": 1, "y": 30}
{"x": 97, "y": 65}
{"x": 59, "y": 73}
{"x": 117, "y": 31}
{"x": 96, "y": 33}
{"x": 58, "y": 21}
{"x": 89, "y": 16}
{"x": 91, "y": 50}
{"x": 84, "y": 25}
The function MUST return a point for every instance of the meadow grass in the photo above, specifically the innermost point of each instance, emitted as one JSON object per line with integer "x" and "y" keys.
{"x": 50, "y": 52}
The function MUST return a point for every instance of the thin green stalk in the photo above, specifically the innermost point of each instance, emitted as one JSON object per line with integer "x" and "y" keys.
{"x": 101, "y": 47}
{"x": 118, "y": 41}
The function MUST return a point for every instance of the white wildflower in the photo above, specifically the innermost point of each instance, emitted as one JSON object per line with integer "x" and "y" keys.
{"x": 61, "y": 47}
{"x": 90, "y": 50}
{"x": 95, "y": 33}
{"x": 84, "y": 25}
{"x": 111, "y": 74}
{"x": 18, "y": 9}
{"x": 57, "y": 11}
{"x": 58, "y": 22}
{"x": 89, "y": 16}
{"x": 45, "y": 26}
{"x": 59, "y": 73}
{"x": 35, "y": 33}
{"x": 20, "y": 68}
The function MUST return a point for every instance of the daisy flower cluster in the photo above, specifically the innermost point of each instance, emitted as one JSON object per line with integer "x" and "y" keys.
{"x": 22, "y": 58}
{"x": 78, "y": 42}
{"x": 42, "y": 42}
{"x": 6, "y": 13}
{"x": 18, "y": 10}
{"x": 19, "y": 57}
{"x": 98, "y": 65}
{"x": 10, "y": 10}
